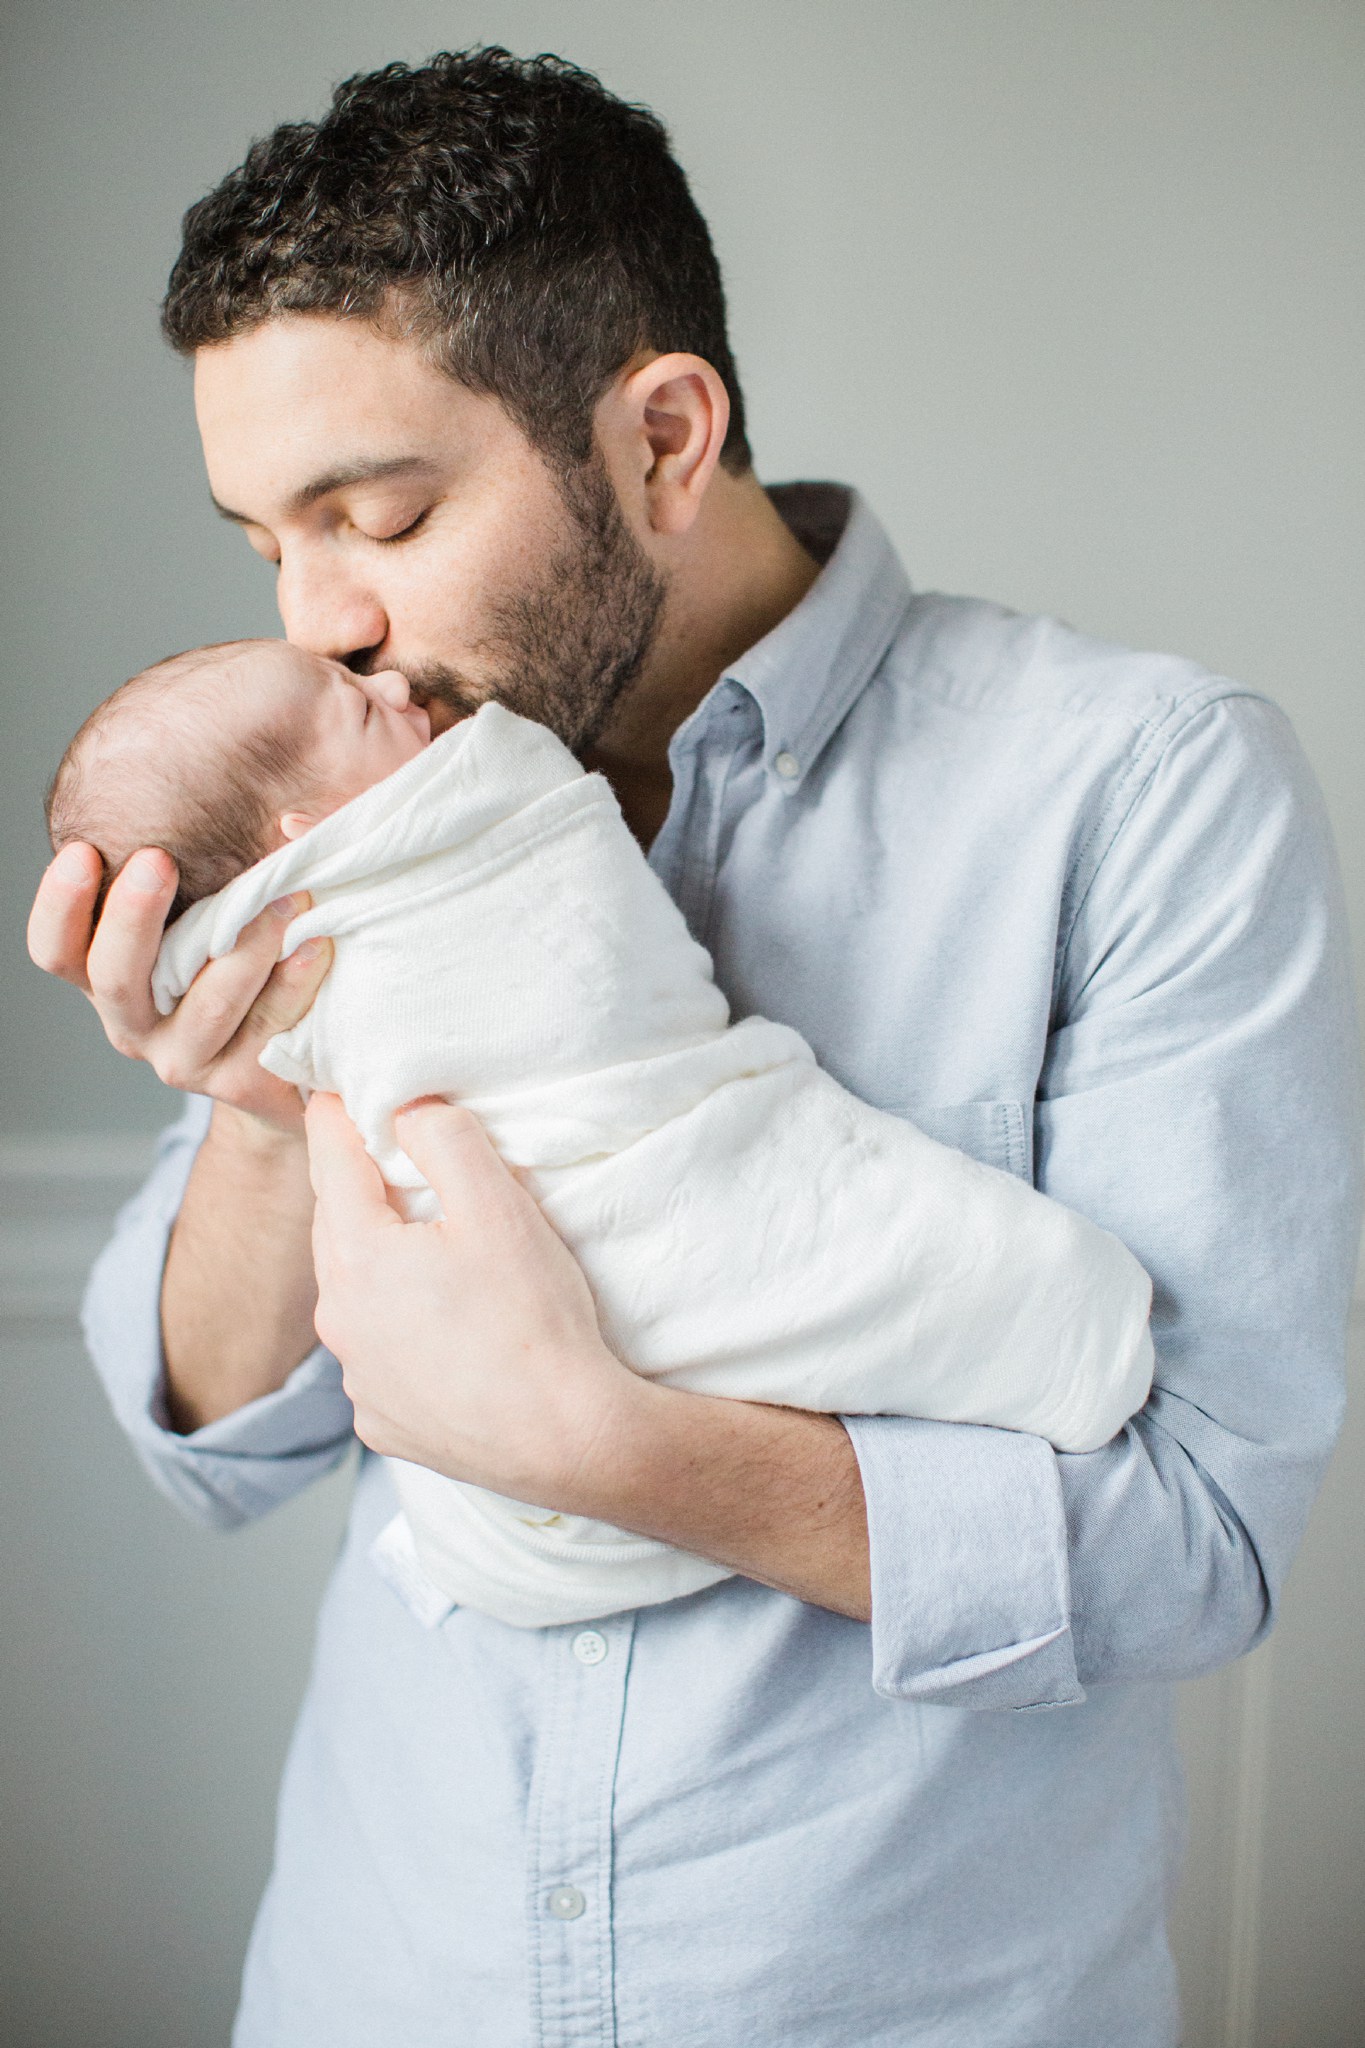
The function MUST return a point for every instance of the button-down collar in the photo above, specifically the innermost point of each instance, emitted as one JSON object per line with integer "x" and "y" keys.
{"x": 809, "y": 670}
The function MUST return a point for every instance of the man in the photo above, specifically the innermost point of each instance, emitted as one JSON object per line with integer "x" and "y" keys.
{"x": 462, "y": 374}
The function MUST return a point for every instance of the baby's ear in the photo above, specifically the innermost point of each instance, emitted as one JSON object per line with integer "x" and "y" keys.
{"x": 295, "y": 823}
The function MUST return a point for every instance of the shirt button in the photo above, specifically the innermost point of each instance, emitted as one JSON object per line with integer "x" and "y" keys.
{"x": 787, "y": 766}
{"x": 589, "y": 1646}
{"x": 566, "y": 1902}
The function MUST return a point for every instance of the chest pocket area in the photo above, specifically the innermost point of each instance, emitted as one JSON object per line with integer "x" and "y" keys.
{"x": 997, "y": 1133}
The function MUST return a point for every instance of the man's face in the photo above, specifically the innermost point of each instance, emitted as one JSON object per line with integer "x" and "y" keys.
{"x": 416, "y": 528}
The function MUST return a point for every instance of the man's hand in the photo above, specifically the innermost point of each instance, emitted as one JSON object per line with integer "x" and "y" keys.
{"x": 472, "y": 1346}
{"x": 210, "y": 1044}
{"x": 237, "y": 1291}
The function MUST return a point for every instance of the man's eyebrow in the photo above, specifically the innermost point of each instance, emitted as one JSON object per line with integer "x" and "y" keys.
{"x": 366, "y": 470}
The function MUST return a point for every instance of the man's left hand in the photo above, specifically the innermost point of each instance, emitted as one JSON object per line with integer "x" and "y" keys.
{"x": 471, "y": 1344}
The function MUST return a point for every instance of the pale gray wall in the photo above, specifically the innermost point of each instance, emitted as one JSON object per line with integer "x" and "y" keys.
{"x": 1074, "y": 291}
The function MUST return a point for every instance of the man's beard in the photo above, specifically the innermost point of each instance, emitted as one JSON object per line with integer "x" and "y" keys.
{"x": 568, "y": 647}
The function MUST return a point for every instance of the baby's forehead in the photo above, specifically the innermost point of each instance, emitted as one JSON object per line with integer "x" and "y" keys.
{"x": 273, "y": 665}
{"x": 194, "y": 704}
{"x": 265, "y": 680}
{"x": 248, "y": 674}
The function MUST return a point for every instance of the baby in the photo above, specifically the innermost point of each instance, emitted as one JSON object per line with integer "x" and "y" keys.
{"x": 747, "y": 1226}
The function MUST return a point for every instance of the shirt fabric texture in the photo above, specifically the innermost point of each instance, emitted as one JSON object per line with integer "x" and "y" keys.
{"x": 1074, "y": 911}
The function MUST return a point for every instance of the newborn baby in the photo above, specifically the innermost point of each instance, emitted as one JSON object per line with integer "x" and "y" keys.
{"x": 747, "y": 1226}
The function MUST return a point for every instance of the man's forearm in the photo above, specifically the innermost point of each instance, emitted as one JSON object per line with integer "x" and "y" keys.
{"x": 473, "y": 1347}
{"x": 773, "y": 1492}
{"x": 238, "y": 1295}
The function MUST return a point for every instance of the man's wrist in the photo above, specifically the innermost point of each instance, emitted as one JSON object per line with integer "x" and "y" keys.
{"x": 619, "y": 1455}
{"x": 775, "y": 1493}
{"x": 254, "y": 1138}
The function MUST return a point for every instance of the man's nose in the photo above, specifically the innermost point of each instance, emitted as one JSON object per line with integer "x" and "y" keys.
{"x": 329, "y": 611}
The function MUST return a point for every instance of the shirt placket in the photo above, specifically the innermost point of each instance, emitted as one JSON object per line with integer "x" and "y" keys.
{"x": 686, "y": 852}
{"x": 569, "y": 1835}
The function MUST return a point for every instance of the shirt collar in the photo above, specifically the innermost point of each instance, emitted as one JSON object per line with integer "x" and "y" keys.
{"x": 805, "y": 674}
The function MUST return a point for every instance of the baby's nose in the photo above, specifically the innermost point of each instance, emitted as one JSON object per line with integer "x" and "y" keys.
{"x": 392, "y": 687}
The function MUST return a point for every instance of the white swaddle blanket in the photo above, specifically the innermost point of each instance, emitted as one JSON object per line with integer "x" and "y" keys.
{"x": 747, "y": 1226}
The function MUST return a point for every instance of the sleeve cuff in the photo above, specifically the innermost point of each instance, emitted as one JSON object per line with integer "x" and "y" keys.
{"x": 970, "y": 1583}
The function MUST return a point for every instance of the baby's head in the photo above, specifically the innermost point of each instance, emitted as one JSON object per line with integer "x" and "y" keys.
{"x": 221, "y": 755}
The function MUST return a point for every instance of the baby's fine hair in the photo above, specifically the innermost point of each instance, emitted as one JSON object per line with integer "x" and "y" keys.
{"x": 144, "y": 770}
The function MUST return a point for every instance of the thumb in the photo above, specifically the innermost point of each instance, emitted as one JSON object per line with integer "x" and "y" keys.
{"x": 455, "y": 1156}
{"x": 346, "y": 1182}
{"x": 288, "y": 994}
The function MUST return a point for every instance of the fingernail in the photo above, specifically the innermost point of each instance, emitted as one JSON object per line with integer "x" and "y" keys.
{"x": 71, "y": 866}
{"x": 309, "y": 950}
{"x": 144, "y": 877}
{"x": 283, "y": 908}
{"x": 418, "y": 1102}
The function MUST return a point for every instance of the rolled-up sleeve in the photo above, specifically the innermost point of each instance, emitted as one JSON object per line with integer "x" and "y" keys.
{"x": 243, "y": 1464}
{"x": 1200, "y": 1098}
{"x": 970, "y": 1582}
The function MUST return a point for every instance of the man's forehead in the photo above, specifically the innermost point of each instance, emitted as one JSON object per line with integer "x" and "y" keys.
{"x": 301, "y": 404}
{"x": 297, "y": 356}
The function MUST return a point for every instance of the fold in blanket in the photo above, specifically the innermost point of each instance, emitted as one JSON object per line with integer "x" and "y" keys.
{"x": 747, "y": 1226}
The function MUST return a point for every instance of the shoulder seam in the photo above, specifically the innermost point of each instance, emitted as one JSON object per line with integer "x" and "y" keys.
{"x": 1158, "y": 734}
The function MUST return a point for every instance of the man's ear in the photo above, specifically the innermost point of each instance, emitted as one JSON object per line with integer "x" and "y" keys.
{"x": 663, "y": 426}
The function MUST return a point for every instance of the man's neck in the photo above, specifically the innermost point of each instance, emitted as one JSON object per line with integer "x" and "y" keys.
{"x": 740, "y": 573}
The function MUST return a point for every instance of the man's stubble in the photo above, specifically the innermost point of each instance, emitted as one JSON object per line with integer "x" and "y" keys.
{"x": 565, "y": 649}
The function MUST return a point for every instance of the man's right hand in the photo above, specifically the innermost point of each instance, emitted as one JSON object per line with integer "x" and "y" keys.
{"x": 210, "y": 1043}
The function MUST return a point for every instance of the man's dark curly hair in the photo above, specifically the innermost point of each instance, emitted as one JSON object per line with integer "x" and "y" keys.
{"x": 525, "y": 225}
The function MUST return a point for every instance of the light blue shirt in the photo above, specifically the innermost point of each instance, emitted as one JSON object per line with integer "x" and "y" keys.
{"x": 1073, "y": 910}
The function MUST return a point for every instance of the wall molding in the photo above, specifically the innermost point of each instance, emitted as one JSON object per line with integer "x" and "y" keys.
{"x": 58, "y": 1197}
